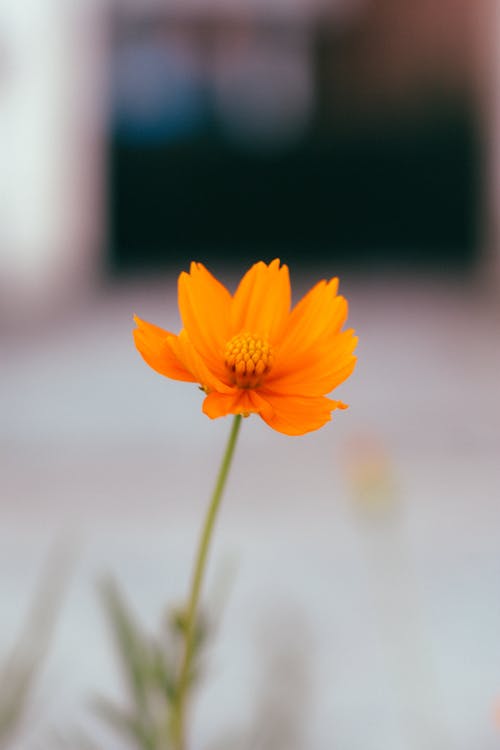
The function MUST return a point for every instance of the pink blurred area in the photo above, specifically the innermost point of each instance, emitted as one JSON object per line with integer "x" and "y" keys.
{"x": 359, "y": 565}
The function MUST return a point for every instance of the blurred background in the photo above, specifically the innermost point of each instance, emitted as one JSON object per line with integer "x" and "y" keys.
{"x": 356, "y": 570}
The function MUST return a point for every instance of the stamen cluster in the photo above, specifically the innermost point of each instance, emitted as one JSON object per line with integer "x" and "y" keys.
{"x": 248, "y": 359}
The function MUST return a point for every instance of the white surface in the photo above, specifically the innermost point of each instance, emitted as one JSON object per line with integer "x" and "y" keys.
{"x": 399, "y": 617}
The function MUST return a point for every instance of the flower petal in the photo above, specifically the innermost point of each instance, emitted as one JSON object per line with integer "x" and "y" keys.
{"x": 314, "y": 321}
{"x": 261, "y": 304}
{"x": 204, "y": 305}
{"x": 296, "y": 415}
{"x": 185, "y": 352}
{"x": 241, "y": 401}
{"x": 152, "y": 343}
{"x": 318, "y": 370}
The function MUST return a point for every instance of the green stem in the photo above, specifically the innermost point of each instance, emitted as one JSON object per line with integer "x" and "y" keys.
{"x": 197, "y": 580}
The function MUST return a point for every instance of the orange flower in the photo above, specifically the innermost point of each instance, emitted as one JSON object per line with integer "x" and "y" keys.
{"x": 251, "y": 353}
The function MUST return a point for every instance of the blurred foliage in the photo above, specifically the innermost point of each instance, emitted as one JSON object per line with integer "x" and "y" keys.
{"x": 150, "y": 667}
{"x": 73, "y": 740}
{"x": 19, "y": 670}
{"x": 283, "y": 690}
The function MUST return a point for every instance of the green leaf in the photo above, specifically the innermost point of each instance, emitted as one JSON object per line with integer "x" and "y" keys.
{"x": 131, "y": 726}
{"x": 131, "y": 644}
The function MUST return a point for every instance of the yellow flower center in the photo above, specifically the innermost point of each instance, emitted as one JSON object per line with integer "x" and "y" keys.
{"x": 248, "y": 359}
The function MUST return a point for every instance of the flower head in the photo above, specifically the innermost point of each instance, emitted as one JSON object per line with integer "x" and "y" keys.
{"x": 252, "y": 353}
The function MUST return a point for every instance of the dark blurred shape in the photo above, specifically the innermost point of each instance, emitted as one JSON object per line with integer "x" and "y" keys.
{"x": 235, "y": 135}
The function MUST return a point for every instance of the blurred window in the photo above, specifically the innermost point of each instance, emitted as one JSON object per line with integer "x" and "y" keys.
{"x": 243, "y": 134}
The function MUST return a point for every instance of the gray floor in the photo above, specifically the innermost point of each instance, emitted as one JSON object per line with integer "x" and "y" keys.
{"x": 388, "y": 617}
